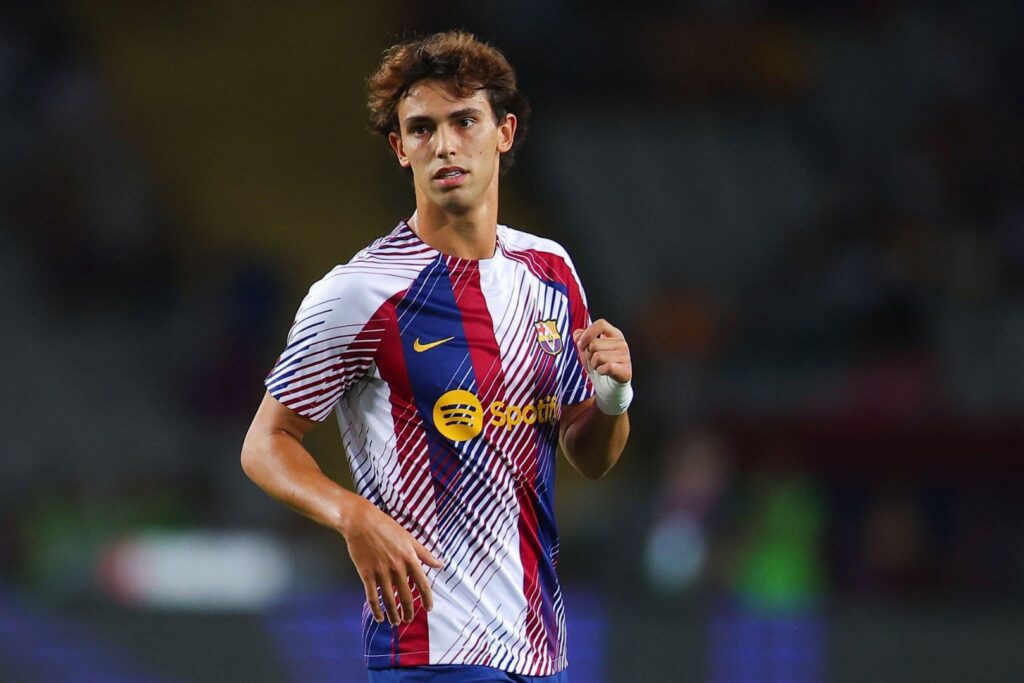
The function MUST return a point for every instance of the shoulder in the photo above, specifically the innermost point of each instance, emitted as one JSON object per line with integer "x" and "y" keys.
{"x": 522, "y": 241}
{"x": 545, "y": 257}
{"x": 377, "y": 272}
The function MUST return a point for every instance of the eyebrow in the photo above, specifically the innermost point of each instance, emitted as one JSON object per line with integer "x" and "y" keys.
{"x": 458, "y": 114}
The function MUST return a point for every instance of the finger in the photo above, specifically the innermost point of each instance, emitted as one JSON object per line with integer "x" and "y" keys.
{"x": 576, "y": 336}
{"x": 606, "y": 344}
{"x": 582, "y": 352}
{"x": 426, "y": 557}
{"x": 387, "y": 592}
{"x": 585, "y": 337}
{"x": 618, "y": 371}
{"x": 404, "y": 597}
{"x": 601, "y": 327}
{"x": 372, "y": 601}
{"x": 602, "y": 357}
{"x": 423, "y": 585}
{"x": 611, "y": 331}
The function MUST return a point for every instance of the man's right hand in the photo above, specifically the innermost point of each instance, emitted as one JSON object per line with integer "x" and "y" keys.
{"x": 386, "y": 556}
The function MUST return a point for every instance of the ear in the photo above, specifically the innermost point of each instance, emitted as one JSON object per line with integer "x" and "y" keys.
{"x": 395, "y": 140}
{"x": 507, "y": 133}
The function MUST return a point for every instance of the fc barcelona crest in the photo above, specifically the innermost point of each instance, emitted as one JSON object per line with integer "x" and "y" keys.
{"x": 547, "y": 336}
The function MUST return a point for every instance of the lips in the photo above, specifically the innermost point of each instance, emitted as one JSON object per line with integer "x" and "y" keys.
{"x": 448, "y": 172}
{"x": 450, "y": 176}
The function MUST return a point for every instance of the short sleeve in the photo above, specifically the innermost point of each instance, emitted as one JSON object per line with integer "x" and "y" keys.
{"x": 330, "y": 345}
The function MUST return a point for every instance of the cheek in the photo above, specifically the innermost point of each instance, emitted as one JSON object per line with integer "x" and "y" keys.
{"x": 487, "y": 147}
{"x": 414, "y": 148}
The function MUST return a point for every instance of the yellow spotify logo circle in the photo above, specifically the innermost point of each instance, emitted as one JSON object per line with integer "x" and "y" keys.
{"x": 458, "y": 415}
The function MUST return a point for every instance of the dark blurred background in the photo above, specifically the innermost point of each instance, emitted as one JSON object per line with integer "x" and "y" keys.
{"x": 808, "y": 218}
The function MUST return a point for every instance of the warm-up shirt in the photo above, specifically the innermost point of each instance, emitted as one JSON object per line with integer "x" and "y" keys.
{"x": 447, "y": 377}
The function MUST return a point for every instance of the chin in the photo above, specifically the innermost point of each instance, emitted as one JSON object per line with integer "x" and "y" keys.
{"x": 454, "y": 202}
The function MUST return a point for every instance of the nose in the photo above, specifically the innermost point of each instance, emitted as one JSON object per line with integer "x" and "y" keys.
{"x": 445, "y": 140}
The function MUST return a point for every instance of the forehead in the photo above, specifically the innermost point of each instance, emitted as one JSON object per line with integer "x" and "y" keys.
{"x": 436, "y": 99}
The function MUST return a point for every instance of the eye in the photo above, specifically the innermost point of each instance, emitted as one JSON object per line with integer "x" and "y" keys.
{"x": 418, "y": 131}
{"x": 466, "y": 122}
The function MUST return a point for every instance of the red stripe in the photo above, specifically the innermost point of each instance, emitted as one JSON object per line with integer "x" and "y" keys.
{"x": 479, "y": 328}
{"x": 486, "y": 358}
{"x": 413, "y": 646}
{"x": 552, "y": 267}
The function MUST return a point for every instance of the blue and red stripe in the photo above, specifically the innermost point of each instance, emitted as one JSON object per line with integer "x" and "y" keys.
{"x": 409, "y": 644}
{"x": 538, "y": 574}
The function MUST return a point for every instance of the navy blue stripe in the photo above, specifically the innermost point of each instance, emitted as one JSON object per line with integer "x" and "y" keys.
{"x": 432, "y": 314}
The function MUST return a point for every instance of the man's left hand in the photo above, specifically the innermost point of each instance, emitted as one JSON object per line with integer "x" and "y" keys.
{"x": 604, "y": 350}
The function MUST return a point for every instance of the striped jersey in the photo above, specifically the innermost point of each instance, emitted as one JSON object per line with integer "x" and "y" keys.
{"x": 447, "y": 377}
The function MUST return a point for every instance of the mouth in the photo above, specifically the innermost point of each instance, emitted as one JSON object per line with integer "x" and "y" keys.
{"x": 450, "y": 176}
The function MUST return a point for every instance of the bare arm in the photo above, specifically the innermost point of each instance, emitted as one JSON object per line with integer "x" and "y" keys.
{"x": 592, "y": 440}
{"x": 385, "y": 555}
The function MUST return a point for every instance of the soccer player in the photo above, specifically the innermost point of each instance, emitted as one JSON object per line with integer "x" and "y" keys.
{"x": 457, "y": 354}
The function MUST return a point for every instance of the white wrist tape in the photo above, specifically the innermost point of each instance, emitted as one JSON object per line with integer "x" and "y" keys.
{"x": 613, "y": 398}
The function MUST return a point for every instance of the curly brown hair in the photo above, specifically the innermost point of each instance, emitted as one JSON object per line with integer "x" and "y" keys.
{"x": 458, "y": 59}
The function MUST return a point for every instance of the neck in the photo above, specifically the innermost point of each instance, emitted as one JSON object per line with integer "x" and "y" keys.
{"x": 467, "y": 234}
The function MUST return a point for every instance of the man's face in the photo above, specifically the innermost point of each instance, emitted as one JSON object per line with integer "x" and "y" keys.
{"x": 451, "y": 144}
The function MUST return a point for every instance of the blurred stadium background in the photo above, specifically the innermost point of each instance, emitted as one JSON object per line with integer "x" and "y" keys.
{"x": 807, "y": 217}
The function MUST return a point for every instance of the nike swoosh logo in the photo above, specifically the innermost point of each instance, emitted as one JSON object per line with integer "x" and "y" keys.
{"x": 420, "y": 348}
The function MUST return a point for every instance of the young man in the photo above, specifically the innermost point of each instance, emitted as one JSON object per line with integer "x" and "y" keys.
{"x": 442, "y": 349}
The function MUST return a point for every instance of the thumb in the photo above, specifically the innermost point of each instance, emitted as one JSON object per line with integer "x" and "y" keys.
{"x": 581, "y": 353}
{"x": 427, "y": 557}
